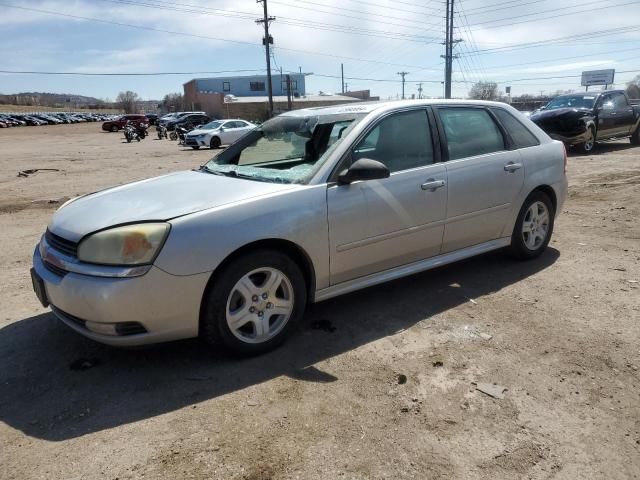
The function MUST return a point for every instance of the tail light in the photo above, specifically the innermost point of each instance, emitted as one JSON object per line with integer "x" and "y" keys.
{"x": 564, "y": 148}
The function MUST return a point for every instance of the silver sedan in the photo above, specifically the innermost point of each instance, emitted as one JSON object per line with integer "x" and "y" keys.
{"x": 310, "y": 205}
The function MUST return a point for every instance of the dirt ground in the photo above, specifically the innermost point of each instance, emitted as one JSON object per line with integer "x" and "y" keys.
{"x": 333, "y": 402}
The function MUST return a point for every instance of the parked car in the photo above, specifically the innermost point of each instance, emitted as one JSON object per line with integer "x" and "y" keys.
{"x": 581, "y": 119}
{"x": 153, "y": 118}
{"x": 218, "y": 132}
{"x": 313, "y": 204}
{"x": 119, "y": 123}
{"x": 4, "y": 125}
{"x": 187, "y": 121}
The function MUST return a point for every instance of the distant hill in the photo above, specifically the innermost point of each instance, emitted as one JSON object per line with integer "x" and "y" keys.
{"x": 50, "y": 100}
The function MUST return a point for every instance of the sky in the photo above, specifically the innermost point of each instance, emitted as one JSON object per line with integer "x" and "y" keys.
{"x": 374, "y": 40}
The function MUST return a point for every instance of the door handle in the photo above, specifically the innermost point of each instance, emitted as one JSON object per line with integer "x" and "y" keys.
{"x": 433, "y": 184}
{"x": 512, "y": 167}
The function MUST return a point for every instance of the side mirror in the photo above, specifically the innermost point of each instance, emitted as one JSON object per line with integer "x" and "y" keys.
{"x": 363, "y": 169}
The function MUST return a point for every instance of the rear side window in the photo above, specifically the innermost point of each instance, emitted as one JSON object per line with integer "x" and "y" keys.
{"x": 401, "y": 141}
{"x": 470, "y": 132}
{"x": 520, "y": 135}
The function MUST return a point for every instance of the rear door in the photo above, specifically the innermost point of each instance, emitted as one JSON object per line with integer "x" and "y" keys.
{"x": 380, "y": 224}
{"x": 484, "y": 176}
{"x": 624, "y": 118}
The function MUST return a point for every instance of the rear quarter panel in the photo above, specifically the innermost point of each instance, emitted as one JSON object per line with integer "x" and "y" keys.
{"x": 544, "y": 166}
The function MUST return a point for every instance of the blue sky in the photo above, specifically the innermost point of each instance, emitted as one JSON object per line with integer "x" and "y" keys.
{"x": 374, "y": 39}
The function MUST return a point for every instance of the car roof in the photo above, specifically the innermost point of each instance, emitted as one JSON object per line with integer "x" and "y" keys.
{"x": 589, "y": 94}
{"x": 368, "y": 107}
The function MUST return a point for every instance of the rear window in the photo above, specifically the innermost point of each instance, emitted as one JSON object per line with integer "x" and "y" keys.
{"x": 470, "y": 132}
{"x": 521, "y": 136}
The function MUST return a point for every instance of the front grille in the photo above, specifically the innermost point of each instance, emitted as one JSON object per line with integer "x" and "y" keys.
{"x": 62, "y": 245}
{"x": 71, "y": 318}
{"x": 129, "y": 328}
{"x": 54, "y": 269}
{"x": 191, "y": 141}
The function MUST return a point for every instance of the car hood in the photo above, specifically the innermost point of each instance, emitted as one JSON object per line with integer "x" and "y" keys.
{"x": 199, "y": 131}
{"x": 558, "y": 113}
{"x": 156, "y": 199}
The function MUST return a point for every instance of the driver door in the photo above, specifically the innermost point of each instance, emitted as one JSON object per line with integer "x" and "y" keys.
{"x": 376, "y": 225}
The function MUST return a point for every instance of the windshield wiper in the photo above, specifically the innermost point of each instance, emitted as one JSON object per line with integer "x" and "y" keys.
{"x": 230, "y": 173}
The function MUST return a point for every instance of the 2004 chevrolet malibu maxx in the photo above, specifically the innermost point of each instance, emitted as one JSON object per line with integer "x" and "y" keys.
{"x": 313, "y": 204}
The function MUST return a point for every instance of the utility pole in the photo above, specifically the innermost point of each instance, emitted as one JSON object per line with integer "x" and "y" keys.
{"x": 268, "y": 39}
{"x": 419, "y": 91}
{"x": 342, "y": 75}
{"x": 403, "y": 74}
{"x": 448, "y": 44}
{"x": 289, "y": 106}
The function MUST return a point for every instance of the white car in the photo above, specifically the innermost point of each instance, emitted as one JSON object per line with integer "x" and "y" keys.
{"x": 218, "y": 132}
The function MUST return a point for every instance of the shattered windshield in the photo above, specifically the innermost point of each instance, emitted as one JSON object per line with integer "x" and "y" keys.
{"x": 285, "y": 149}
{"x": 572, "y": 101}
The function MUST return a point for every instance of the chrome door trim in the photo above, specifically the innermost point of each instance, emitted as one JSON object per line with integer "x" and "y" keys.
{"x": 404, "y": 270}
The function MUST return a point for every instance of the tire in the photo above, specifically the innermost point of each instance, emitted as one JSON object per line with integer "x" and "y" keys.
{"x": 256, "y": 315}
{"x": 215, "y": 143}
{"x": 114, "y": 128}
{"x": 173, "y": 136}
{"x": 635, "y": 138}
{"x": 195, "y": 147}
{"x": 525, "y": 242}
{"x": 588, "y": 146}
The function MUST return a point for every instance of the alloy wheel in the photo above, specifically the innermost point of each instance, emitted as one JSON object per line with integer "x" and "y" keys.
{"x": 259, "y": 305}
{"x": 535, "y": 225}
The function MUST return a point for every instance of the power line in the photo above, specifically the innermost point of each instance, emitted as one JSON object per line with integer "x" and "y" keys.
{"x": 292, "y": 21}
{"x": 219, "y": 39}
{"x": 421, "y": 22}
{"x": 124, "y": 74}
{"x": 594, "y": 34}
{"x": 550, "y": 17}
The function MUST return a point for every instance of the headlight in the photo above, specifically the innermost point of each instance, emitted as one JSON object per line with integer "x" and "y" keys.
{"x": 128, "y": 245}
{"x": 202, "y": 135}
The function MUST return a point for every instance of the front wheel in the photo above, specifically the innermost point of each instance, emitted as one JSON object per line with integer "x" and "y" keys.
{"x": 589, "y": 144}
{"x": 534, "y": 226}
{"x": 173, "y": 136}
{"x": 114, "y": 128}
{"x": 215, "y": 142}
{"x": 254, "y": 303}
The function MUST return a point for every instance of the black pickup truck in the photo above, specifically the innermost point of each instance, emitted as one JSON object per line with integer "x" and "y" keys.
{"x": 581, "y": 119}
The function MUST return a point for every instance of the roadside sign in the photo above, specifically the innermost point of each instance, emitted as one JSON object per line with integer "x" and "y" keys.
{"x": 598, "y": 77}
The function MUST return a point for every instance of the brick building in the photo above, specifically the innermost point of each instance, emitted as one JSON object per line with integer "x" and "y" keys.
{"x": 243, "y": 97}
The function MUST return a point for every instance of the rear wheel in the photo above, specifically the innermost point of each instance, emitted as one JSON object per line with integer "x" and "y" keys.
{"x": 589, "y": 144}
{"x": 215, "y": 142}
{"x": 534, "y": 226}
{"x": 254, "y": 303}
{"x": 114, "y": 128}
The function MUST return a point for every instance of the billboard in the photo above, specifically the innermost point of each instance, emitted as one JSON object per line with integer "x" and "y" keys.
{"x": 597, "y": 77}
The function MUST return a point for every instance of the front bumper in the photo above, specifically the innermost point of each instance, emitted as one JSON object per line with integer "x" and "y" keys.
{"x": 167, "y": 306}
{"x": 196, "y": 142}
{"x": 570, "y": 139}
